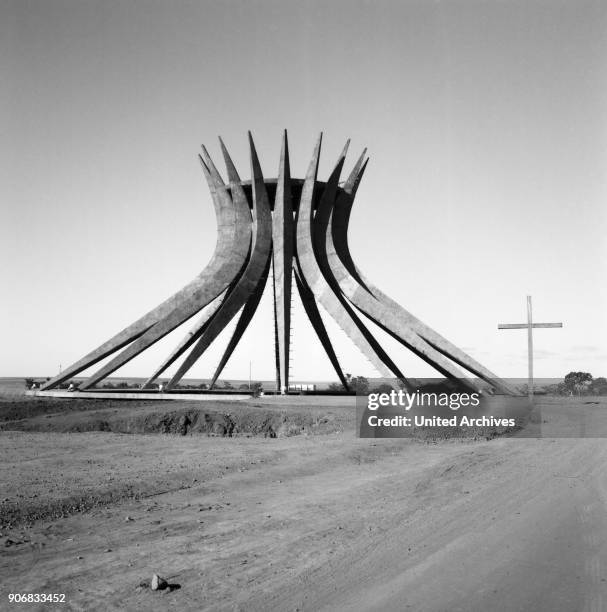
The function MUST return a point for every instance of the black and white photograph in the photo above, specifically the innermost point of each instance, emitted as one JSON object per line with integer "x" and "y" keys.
{"x": 304, "y": 305}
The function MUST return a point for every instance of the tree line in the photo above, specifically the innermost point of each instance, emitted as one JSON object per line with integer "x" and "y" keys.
{"x": 574, "y": 383}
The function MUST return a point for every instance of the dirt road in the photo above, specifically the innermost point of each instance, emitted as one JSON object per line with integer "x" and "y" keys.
{"x": 321, "y": 523}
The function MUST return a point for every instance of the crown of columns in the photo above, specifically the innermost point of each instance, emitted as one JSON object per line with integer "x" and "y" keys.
{"x": 299, "y": 227}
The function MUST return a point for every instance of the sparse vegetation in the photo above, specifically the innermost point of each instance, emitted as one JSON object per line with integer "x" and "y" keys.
{"x": 599, "y": 386}
{"x": 577, "y": 384}
{"x": 359, "y": 384}
{"x": 256, "y": 388}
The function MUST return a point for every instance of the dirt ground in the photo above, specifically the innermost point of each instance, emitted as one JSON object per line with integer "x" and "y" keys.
{"x": 316, "y": 521}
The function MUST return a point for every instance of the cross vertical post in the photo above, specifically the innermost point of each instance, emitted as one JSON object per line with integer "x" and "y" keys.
{"x": 530, "y": 346}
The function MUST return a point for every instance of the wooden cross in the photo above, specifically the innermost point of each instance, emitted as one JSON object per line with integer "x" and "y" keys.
{"x": 529, "y": 327}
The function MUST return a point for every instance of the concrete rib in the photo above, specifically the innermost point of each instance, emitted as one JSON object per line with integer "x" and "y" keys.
{"x": 247, "y": 283}
{"x": 226, "y": 238}
{"x": 235, "y": 235}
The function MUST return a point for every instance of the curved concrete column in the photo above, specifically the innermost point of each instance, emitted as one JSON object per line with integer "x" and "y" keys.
{"x": 189, "y": 339}
{"x": 390, "y": 316}
{"x": 338, "y": 278}
{"x": 226, "y": 258}
{"x": 226, "y": 264}
{"x": 248, "y": 282}
{"x": 309, "y": 270}
{"x": 309, "y": 303}
{"x": 243, "y": 322}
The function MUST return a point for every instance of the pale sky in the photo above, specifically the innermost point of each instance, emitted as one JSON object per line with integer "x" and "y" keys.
{"x": 486, "y": 124}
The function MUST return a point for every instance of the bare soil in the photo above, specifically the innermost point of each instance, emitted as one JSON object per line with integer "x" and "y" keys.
{"x": 221, "y": 418}
{"x": 315, "y": 521}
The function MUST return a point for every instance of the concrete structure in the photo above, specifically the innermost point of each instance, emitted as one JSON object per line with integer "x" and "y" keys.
{"x": 296, "y": 227}
{"x": 302, "y": 387}
{"x": 133, "y": 395}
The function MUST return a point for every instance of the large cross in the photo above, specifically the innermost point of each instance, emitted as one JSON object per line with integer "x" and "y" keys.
{"x": 529, "y": 327}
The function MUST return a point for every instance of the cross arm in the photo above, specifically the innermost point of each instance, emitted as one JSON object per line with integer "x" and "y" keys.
{"x": 525, "y": 325}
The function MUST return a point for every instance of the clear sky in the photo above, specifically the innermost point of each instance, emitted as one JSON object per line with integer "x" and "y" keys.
{"x": 486, "y": 124}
